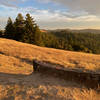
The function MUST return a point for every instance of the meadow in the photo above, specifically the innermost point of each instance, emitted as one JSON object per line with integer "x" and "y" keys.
{"x": 18, "y": 83}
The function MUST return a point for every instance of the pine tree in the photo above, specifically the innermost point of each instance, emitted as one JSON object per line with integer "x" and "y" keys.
{"x": 9, "y": 29}
{"x": 1, "y": 33}
{"x": 19, "y": 27}
{"x": 32, "y": 31}
{"x": 29, "y": 29}
{"x": 25, "y": 30}
{"x": 38, "y": 36}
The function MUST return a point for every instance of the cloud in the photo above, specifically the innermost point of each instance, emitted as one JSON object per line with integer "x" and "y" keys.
{"x": 48, "y": 19}
{"x": 90, "y": 6}
{"x": 59, "y": 15}
{"x": 58, "y": 19}
{"x": 10, "y": 3}
{"x": 3, "y": 21}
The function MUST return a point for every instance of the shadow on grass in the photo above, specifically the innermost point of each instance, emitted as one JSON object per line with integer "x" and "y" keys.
{"x": 5, "y": 76}
{"x": 24, "y": 60}
{"x": 2, "y": 53}
{"x": 34, "y": 78}
{"x": 21, "y": 59}
{"x": 11, "y": 91}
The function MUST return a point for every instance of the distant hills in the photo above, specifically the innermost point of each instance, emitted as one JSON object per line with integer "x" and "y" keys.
{"x": 97, "y": 31}
{"x": 88, "y": 31}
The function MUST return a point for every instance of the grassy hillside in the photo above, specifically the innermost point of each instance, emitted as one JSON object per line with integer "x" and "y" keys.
{"x": 17, "y": 82}
{"x": 18, "y": 56}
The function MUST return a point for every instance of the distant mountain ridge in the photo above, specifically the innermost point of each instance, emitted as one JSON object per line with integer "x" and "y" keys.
{"x": 88, "y": 31}
{"x": 97, "y": 31}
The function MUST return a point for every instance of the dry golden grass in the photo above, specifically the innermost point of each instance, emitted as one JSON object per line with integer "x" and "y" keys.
{"x": 40, "y": 87}
{"x": 16, "y": 59}
{"x": 17, "y": 55}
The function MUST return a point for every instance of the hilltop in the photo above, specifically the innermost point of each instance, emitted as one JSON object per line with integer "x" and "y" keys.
{"x": 18, "y": 83}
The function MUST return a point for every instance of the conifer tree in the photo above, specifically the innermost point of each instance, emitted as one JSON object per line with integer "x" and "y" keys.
{"x": 29, "y": 29}
{"x": 32, "y": 31}
{"x": 9, "y": 29}
{"x": 38, "y": 36}
{"x": 1, "y": 33}
{"x": 19, "y": 27}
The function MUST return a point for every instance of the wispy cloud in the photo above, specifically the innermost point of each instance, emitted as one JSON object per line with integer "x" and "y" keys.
{"x": 80, "y": 13}
{"x": 10, "y": 3}
{"x": 3, "y": 21}
{"x": 90, "y": 6}
{"x": 53, "y": 19}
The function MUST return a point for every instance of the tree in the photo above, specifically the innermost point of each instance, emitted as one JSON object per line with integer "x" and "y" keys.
{"x": 33, "y": 34}
{"x": 38, "y": 36}
{"x": 19, "y": 25}
{"x": 1, "y": 33}
{"x": 9, "y": 29}
{"x": 29, "y": 29}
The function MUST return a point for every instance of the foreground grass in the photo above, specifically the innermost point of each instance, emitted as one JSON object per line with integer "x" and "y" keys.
{"x": 41, "y": 87}
{"x": 17, "y": 82}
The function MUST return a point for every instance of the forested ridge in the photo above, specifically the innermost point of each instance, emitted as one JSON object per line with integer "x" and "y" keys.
{"x": 26, "y": 30}
{"x": 86, "y": 42}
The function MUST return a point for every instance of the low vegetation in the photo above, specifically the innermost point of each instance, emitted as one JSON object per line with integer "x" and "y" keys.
{"x": 38, "y": 87}
{"x": 18, "y": 83}
{"x": 17, "y": 55}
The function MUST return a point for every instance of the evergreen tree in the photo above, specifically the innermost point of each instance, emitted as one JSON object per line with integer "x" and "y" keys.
{"x": 29, "y": 29}
{"x": 1, "y": 33}
{"x": 38, "y": 36}
{"x": 9, "y": 29}
{"x": 19, "y": 27}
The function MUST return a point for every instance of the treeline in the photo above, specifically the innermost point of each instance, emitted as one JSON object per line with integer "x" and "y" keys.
{"x": 26, "y": 30}
{"x": 85, "y": 42}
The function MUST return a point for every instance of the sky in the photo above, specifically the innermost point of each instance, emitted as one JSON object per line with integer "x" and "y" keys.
{"x": 54, "y": 14}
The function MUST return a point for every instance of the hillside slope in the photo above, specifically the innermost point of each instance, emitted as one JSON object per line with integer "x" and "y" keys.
{"x": 16, "y": 55}
{"x": 18, "y": 83}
